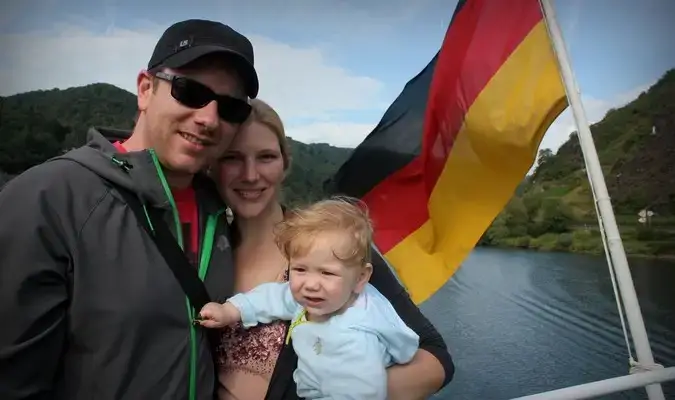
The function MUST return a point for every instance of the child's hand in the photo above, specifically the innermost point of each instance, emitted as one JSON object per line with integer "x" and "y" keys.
{"x": 214, "y": 315}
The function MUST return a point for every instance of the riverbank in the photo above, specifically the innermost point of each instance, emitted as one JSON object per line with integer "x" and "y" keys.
{"x": 643, "y": 243}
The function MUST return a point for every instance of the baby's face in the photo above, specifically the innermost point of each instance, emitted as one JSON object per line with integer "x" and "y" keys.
{"x": 322, "y": 283}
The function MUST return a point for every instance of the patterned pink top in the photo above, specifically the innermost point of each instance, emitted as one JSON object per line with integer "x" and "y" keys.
{"x": 247, "y": 358}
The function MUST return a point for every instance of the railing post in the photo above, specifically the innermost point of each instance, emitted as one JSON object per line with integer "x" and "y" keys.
{"x": 597, "y": 180}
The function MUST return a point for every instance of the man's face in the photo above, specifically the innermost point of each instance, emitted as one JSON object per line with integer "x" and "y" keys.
{"x": 187, "y": 139}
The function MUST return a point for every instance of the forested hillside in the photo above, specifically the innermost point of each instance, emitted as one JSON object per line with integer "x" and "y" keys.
{"x": 554, "y": 210}
{"x": 37, "y": 125}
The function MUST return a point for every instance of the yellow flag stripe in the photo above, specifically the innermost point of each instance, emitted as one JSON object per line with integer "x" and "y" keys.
{"x": 493, "y": 151}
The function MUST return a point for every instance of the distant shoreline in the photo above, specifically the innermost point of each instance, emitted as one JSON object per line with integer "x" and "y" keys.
{"x": 663, "y": 257}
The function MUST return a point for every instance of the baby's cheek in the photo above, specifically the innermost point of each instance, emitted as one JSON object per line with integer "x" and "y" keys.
{"x": 295, "y": 286}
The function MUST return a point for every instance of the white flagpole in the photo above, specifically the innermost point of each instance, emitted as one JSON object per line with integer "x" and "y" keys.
{"x": 614, "y": 243}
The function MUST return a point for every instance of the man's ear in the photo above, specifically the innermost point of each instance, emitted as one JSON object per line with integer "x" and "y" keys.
{"x": 364, "y": 277}
{"x": 144, "y": 87}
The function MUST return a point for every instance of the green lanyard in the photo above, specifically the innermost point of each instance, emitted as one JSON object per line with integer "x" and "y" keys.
{"x": 298, "y": 321}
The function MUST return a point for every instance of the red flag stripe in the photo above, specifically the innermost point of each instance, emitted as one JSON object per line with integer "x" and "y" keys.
{"x": 480, "y": 39}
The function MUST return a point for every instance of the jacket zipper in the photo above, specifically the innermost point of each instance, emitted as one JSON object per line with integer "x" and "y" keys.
{"x": 204, "y": 260}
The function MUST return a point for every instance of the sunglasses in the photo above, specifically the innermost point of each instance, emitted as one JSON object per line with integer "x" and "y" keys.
{"x": 193, "y": 94}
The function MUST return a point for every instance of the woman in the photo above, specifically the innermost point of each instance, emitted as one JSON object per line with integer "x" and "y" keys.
{"x": 256, "y": 363}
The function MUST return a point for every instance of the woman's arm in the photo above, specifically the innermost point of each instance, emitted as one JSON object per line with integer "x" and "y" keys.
{"x": 419, "y": 379}
{"x": 432, "y": 367}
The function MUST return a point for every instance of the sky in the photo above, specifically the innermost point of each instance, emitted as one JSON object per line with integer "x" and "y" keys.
{"x": 331, "y": 68}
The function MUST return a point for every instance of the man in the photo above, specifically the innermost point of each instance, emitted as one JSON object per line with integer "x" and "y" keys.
{"x": 81, "y": 280}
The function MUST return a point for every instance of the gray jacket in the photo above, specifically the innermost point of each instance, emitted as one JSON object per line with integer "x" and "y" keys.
{"x": 89, "y": 308}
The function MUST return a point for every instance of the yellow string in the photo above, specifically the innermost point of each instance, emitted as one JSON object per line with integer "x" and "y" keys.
{"x": 300, "y": 320}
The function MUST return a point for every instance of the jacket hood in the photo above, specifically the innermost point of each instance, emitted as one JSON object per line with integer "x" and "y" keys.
{"x": 134, "y": 171}
{"x": 137, "y": 171}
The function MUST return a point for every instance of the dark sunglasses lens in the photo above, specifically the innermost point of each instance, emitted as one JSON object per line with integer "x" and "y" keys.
{"x": 195, "y": 95}
{"x": 190, "y": 93}
{"x": 233, "y": 110}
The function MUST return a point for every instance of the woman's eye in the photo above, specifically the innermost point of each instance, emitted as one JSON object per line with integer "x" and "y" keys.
{"x": 268, "y": 157}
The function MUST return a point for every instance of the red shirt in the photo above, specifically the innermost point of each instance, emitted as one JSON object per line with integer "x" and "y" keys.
{"x": 186, "y": 203}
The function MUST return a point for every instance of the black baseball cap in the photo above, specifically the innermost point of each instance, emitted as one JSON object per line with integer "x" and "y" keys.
{"x": 186, "y": 41}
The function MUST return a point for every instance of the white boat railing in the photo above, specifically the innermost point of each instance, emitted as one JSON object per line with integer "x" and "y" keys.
{"x": 644, "y": 372}
{"x": 606, "y": 386}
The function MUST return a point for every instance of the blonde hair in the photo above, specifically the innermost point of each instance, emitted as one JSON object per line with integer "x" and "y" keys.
{"x": 295, "y": 235}
{"x": 264, "y": 114}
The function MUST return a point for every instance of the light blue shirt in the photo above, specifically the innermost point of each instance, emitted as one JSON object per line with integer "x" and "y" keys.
{"x": 344, "y": 357}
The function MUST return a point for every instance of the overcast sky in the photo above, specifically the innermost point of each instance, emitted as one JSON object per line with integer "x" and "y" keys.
{"x": 330, "y": 67}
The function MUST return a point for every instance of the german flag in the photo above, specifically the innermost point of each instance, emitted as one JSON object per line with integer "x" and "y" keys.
{"x": 450, "y": 151}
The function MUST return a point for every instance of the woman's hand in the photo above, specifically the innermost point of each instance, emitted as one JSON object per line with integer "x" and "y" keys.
{"x": 214, "y": 315}
{"x": 419, "y": 379}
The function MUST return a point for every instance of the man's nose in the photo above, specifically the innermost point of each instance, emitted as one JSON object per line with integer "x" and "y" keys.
{"x": 207, "y": 116}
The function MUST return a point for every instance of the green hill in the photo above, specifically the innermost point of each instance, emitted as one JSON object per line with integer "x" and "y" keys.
{"x": 554, "y": 209}
{"x": 37, "y": 125}
{"x": 551, "y": 210}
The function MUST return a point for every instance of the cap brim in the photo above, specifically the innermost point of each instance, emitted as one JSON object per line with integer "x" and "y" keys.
{"x": 243, "y": 66}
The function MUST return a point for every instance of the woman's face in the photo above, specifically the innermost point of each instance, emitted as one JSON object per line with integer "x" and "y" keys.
{"x": 251, "y": 171}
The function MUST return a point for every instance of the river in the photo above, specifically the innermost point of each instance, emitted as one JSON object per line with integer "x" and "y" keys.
{"x": 522, "y": 322}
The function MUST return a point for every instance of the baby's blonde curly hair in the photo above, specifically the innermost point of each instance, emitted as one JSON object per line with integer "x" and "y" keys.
{"x": 295, "y": 235}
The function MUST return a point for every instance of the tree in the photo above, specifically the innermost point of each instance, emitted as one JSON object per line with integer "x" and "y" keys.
{"x": 553, "y": 217}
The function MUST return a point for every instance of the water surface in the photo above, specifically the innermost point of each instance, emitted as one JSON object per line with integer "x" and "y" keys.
{"x": 522, "y": 322}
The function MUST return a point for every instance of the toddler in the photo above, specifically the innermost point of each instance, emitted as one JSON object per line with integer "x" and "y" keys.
{"x": 344, "y": 331}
